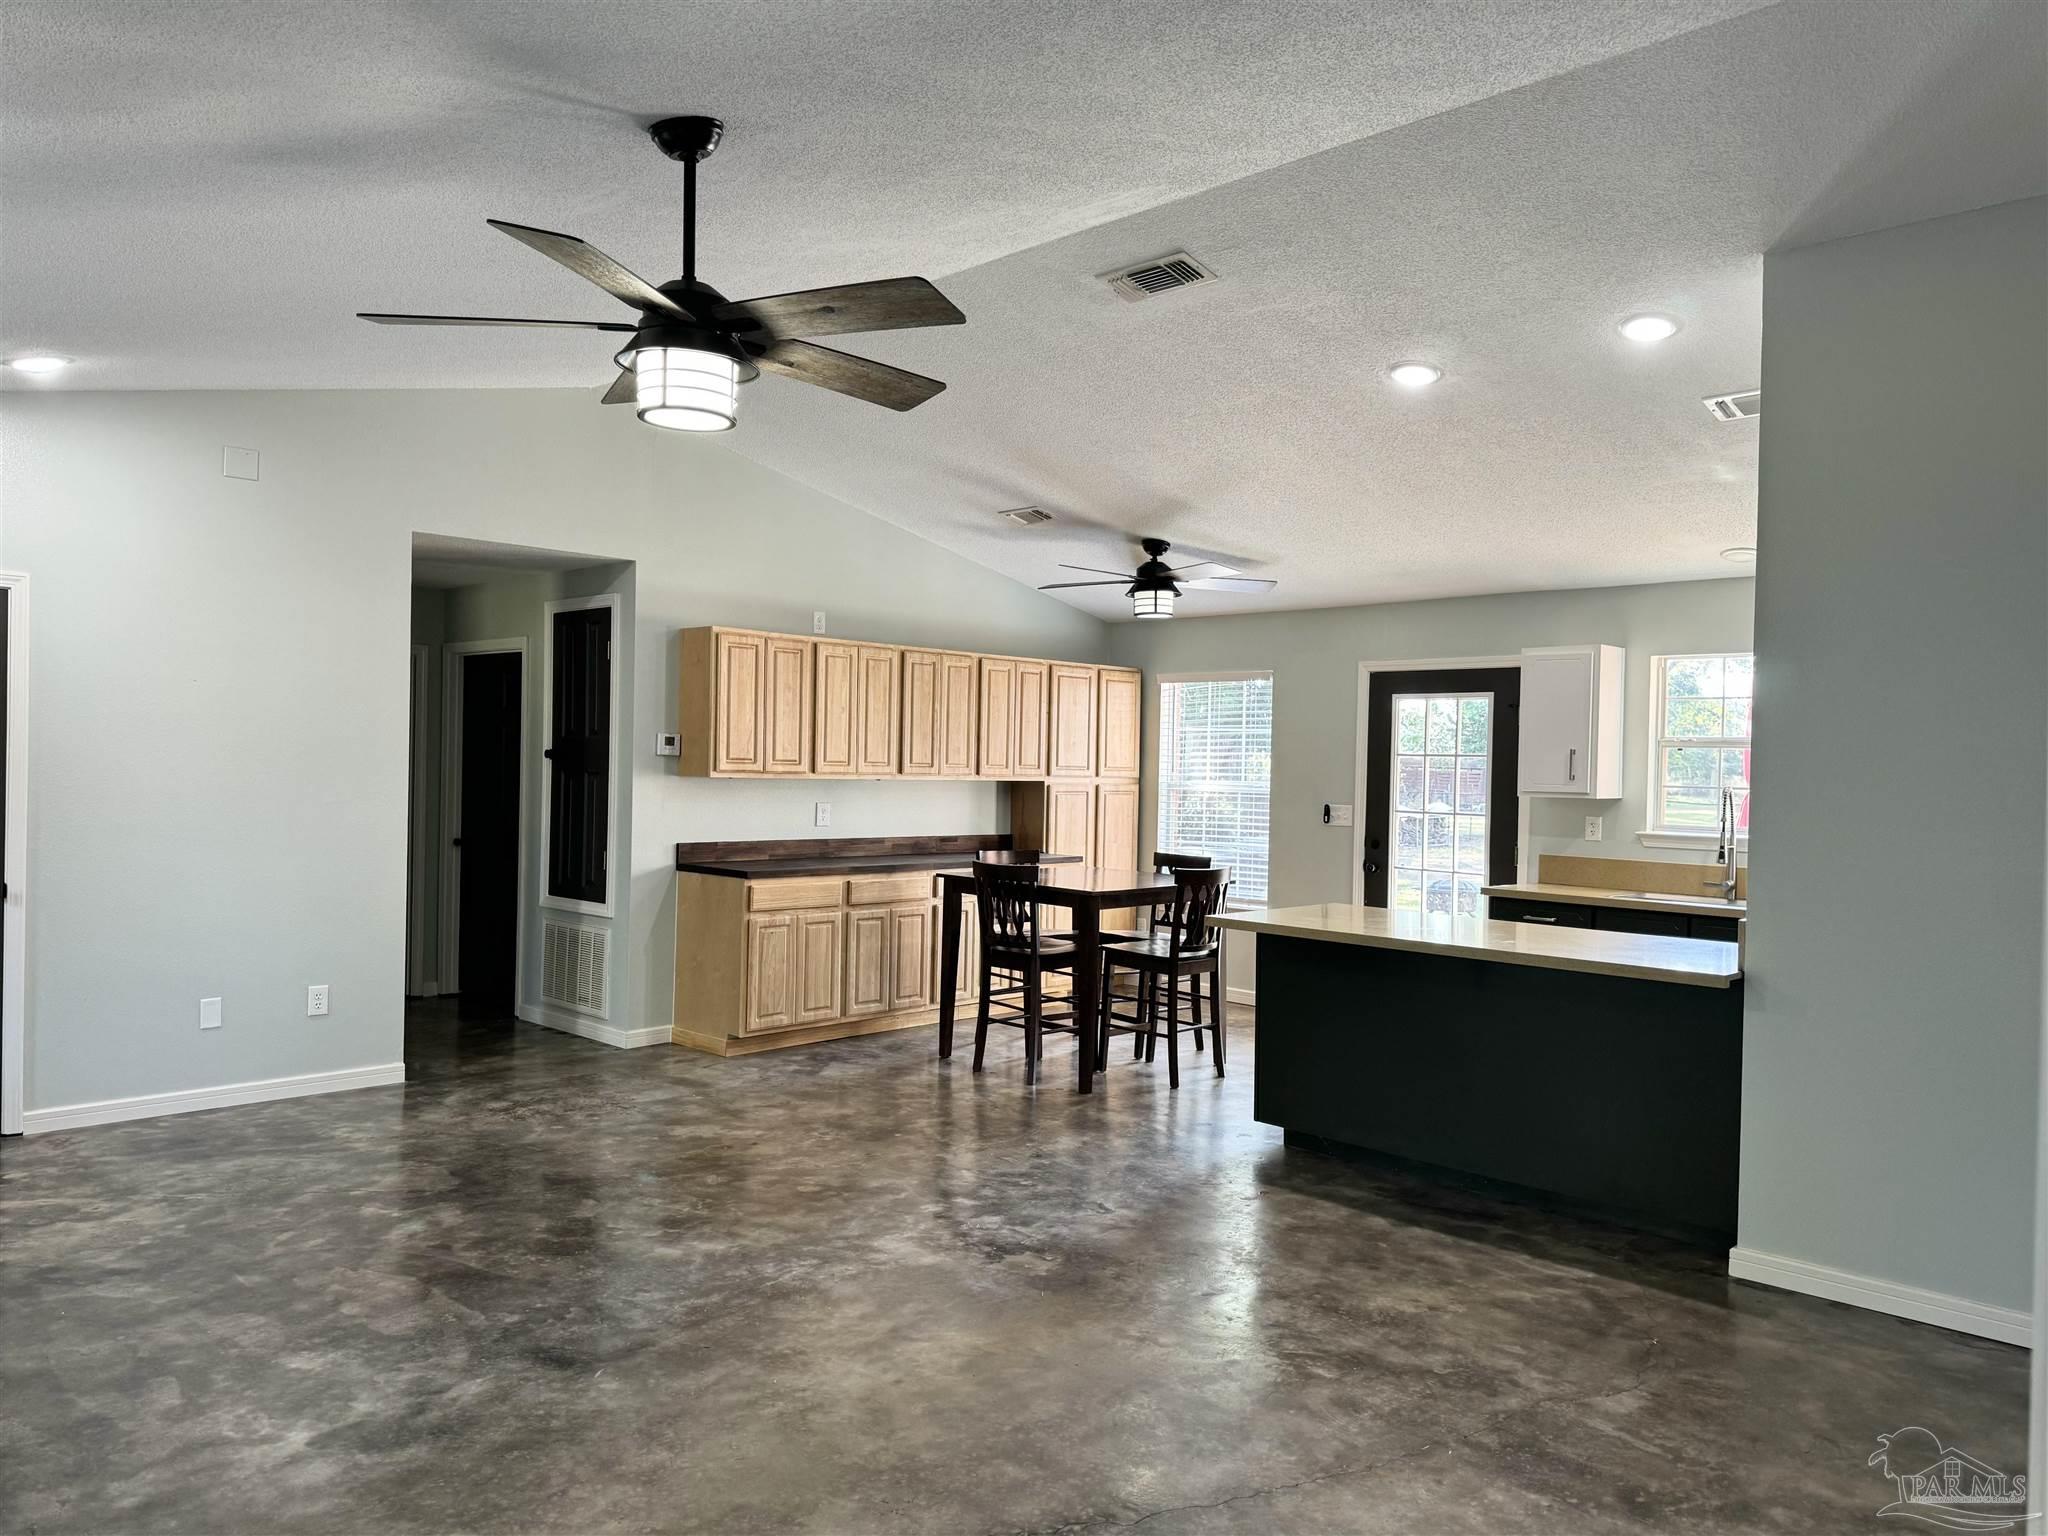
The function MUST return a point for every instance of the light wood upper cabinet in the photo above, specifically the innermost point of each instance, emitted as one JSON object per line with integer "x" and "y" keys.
{"x": 735, "y": 722}
{"x": 998, "y": 717}
{"x": 835, "y": 737}
{"x": 786, "y": 705}
{"x": 1119, "y": 701}
{"x": 959, "y": 690}
{"x": 1072, "y": 728}
{"x": 923, "y": 705}
{"x": 1028, "y": 737}
{"x": 878, "y": 696}
{"x": 1070, "y": 820}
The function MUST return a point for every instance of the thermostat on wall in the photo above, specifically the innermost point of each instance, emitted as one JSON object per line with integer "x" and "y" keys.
{"x": 668, "y": 744}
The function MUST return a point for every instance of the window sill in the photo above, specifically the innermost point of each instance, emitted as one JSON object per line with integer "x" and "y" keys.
{"x": 1650, "y": 837}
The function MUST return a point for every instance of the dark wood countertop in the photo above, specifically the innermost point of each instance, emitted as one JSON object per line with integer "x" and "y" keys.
{"x": 766, "y": 860}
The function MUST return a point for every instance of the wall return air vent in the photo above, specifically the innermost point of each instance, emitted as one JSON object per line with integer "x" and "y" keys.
{"x": 1149, "y": 279}
{"x": 1745, "y": 405}
{"x": 575, "y": 967}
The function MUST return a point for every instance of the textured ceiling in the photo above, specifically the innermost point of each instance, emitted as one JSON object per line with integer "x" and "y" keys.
{"x": 199, "y": 195}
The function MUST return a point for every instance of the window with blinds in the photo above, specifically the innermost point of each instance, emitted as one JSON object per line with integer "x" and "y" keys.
{"x": 1215, "y": 774}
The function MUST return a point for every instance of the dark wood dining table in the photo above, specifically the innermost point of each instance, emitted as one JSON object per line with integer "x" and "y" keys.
{"x": 1083, "y": 890}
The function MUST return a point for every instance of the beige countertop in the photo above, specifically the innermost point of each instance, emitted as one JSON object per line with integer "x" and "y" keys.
{"x": 1706, "y": 904}
{"x": 1647, "y": 957}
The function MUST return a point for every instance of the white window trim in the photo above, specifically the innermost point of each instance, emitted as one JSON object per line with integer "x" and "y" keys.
{"x": 607, "y": 907}
{"x": 1159, "y": 681}
{"x": 1653, "y": 766}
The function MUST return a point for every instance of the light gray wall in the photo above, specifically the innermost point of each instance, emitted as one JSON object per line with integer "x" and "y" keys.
{"x": 1314, "y": 657}
{"x": 1893, "y": 1008}
{"x": 218, "y": 759}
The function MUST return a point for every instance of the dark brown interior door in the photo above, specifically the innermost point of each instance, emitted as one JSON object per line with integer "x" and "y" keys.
{"x": 488, "y": 924}
{"x": 579, "y": 753}
{"x": 1456, "y": 783}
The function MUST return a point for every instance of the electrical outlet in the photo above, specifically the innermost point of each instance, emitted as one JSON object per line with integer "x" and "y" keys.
{"x": 209, "y": 1013}
{"x": 1593, "y": 827}
{"x": 316, "y": 1001}
{"x": 822, "y": 815}
{"x": 240, "y": 463}
{"x": 818, "y": 622}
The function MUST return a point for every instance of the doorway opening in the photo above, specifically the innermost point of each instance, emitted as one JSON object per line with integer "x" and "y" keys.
{"x": 1438, "y": 771}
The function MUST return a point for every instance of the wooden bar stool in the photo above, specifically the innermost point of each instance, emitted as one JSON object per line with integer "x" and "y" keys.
{"x": 1012, "y": 944}
{"x": 1162, "y": 864}
{"x": 1186, "y": 948}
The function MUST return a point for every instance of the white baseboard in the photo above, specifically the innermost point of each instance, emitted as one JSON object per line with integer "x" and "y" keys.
{"x": 147, "y": 1106}
{"x": 1248, "y": 996}
{"x": 592, "y": 1029}
{"x": 2005, "y": 1324}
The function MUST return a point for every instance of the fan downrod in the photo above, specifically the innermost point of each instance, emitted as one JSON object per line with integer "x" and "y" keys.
{"x": 688, "y": 139}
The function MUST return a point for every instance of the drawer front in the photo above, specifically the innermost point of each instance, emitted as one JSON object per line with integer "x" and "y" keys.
{"x": 1720, "y": 928}
{"x": 1670, "y": 925}
{"x": 788, "y": 895}
{"x": 1549, "y": 914}
{"x": 874, "y": 890}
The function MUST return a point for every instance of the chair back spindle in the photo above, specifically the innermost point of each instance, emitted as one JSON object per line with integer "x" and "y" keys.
{"x": 1197, "y": 896}
{"x": 1002, "y": 895}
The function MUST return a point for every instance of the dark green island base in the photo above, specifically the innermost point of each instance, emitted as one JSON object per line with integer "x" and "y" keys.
{"x": 1614, "y": 1093}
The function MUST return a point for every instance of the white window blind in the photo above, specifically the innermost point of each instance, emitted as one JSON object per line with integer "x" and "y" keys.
{"x": 1215, "y": 775}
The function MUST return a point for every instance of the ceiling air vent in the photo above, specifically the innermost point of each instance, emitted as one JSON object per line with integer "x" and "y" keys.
{"x": 1025, "y": 517}
{"x": 1149, "y": 279}
{"x": 1745, "y": 406}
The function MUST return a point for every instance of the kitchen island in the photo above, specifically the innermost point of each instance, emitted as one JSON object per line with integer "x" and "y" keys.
{"x": 1601, "y": 1068}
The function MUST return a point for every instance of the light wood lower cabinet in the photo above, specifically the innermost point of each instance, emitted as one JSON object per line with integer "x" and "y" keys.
{"x": 765, "y": 963}
{"x": 1116, "y": 841}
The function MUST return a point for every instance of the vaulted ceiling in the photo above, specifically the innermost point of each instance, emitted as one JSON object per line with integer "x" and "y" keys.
{"x": 201, "y": 195}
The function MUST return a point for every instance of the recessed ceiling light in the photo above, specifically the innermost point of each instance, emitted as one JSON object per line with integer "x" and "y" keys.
{"x": 38, "y": 362}
{"x": 1741, "y": 554}
{"x": 1649, "y": 327}
{"x": 1415, "y": 375}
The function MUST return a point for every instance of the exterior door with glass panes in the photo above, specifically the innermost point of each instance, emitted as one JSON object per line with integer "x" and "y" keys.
{"x": 1440, "y": 787}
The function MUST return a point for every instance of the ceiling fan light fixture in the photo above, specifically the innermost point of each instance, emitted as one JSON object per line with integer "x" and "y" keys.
{"x": 1152, "y": 602}
{"x": 685, "y": 389}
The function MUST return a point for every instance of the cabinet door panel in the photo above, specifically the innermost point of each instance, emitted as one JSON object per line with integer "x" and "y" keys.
{"x": 958, "y": 685}
{"x": 1070, "y": 820}
{"x": 998, "y": 717}
{"x": 879, "y": 729}
{"x": 1073, "y": 722}
{"x": 1028, "y": 737}
{"x": 1116, "y": 841}
{"x": 1557, "y": 724}
{"x": 1120, "y": 702}
{"x": 820, "y": 952}
{"x": 867, "y": 962}
{"x": 771, "y": 972}
{"x": 786, "y": 705}
{"x": 838, "y": 708}
{"x": 910, "y": 957}
{"x": 736, "y": 722}
{"x": 921, "y": 710}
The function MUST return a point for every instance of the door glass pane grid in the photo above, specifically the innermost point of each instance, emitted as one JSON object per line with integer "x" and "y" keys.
{"x": 1704, "y": 713}
{"x": 1442, "y": 756}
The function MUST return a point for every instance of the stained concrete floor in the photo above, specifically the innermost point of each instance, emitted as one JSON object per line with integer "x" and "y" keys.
{"x": 552, "y": 1286}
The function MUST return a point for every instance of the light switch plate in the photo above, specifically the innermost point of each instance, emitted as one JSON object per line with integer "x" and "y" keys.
{"x": 316, "y": 1001}
{"x": 822, "y": 814}
{"x": 1593, "y": 829}
{"x": 209, "y": 1013}
{"x": 1340, "y": 815}
{"x": 239, "y": 463}
{"x": 818, "y": 622}
{"x": 668, "y": 744}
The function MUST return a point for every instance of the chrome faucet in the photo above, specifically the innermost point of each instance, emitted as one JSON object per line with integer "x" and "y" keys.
{"x": 1725, "y": 854}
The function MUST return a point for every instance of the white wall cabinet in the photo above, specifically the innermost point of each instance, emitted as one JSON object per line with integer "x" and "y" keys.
{"x": 1571, "y": 736}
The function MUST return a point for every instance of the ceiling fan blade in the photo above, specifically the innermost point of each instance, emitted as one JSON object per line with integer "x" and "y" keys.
{"x": 893, "y": 304}
{"x": 1121, "y": 581}
{"x": 587, "y": 261}
{"x": 623, "y": 390}
{"x": 574, "y": 325}
{"x": 1231, "y": 584}
{"x": 1098, "y": 570}
{"x": 1215, "y": 567}
{"x": 861, "y": 377}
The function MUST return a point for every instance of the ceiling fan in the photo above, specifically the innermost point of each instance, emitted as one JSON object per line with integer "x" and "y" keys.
{"x": 692, "y": 347}
{"x": 1153, "y": 586}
